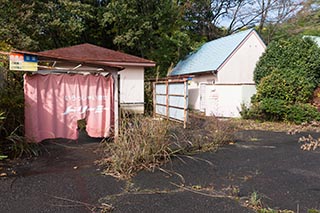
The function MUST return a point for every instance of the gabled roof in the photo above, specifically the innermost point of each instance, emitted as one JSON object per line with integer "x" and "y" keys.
{"x": 93, "y": 64}
{"x": 211, "y": 55}
{"x": 93, "y": 53}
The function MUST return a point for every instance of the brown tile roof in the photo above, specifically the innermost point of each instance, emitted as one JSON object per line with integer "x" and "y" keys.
{"x": 43, "y": 56}
{"x": 90, "y": 52}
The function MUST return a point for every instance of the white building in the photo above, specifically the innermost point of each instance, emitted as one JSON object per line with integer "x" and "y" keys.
{"x": 131, "y": 88}
{"x": 221, "y": 73}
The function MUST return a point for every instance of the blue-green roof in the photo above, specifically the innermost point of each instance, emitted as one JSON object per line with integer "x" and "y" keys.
{"x": 211, "y": 55}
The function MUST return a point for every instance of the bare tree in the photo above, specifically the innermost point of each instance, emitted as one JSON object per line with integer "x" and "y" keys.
{"x": 206, "y": 15}
{"x": 261, "y": 13}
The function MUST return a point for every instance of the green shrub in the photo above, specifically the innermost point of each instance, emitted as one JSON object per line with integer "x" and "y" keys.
{"x": 277, "y": 110}
{"x": 253, "y": 112}
{"x": 291, "y": 86}
{"x": 2, "y": 119}
{"x": 295, "y": 53}
{"x": 12, "y": 104}
{"x": 1, "y": 126}
{"x": 286, "y": 76}
{"x": 148, "y": 98}
{"x": 274, "y": 109}
{"x": 12, "y": 141}
{"x": 299, "y": 113}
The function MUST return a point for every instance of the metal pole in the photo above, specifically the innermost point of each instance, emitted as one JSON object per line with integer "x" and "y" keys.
{"x": 116, "y": 105}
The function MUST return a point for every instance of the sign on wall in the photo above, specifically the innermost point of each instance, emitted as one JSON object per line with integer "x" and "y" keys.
{"x": 23, "y": 62}
{"x": 171, "y": 99}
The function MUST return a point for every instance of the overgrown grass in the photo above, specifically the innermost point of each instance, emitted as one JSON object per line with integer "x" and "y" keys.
{"x": 146, "y": 143}
{"x": 290, "y": 128}
{"x": 1, "y": 123}
{"x": 202, "y": 133}
{"x": 16, "y": 146}
{"x": 142, "y": 143}
{"x": 12, "y": 141}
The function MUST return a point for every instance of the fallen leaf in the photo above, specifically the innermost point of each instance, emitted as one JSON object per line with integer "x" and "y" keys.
{"x": 196, "y": 187}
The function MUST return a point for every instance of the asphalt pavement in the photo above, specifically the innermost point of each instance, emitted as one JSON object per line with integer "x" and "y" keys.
{"x": 269, "y": 164}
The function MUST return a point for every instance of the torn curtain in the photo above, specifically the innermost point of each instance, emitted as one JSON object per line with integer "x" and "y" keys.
{"x": 54, "y": 104}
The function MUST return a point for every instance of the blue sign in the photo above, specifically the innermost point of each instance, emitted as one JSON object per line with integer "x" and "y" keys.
{"x": 30, "y": 58}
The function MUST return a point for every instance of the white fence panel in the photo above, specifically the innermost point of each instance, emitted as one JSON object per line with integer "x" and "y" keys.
{"x": 177, "y": 89}
{"x": 171, "y": 99}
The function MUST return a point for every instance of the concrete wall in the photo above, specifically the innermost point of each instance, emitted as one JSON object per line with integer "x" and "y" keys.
{"x": 239, "y": 68}
{"x": 226, "y": 100}
{"x": 194, "y": 89}
{"x": 132, "y": 89}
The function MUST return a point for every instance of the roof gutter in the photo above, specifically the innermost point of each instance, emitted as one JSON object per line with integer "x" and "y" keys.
{"x": 42, "y": 56}
{"x": 4, "y": 53}
{"x": 134, "y": 64}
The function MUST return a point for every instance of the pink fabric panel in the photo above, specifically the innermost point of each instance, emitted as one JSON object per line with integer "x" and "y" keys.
{"x": 54, "y": 104}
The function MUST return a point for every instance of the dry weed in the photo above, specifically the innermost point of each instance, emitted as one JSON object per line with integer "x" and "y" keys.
{"x": 309, "y": 143}
{"x": 203, "y": 134}
{"x": 290, "y": 128}
{"x": 142, "y": 143}
{"x": 147, "y": 143}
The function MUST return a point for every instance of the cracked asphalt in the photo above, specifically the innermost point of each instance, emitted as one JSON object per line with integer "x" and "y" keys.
{"x": 271, "y": 164}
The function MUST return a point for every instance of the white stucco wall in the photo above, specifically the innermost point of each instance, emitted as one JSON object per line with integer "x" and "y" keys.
{"x": 194, "y": 89}
{"x": 132, "y": 89}
{"x": 226, "y": 100}
{"x": 239, "y": 68}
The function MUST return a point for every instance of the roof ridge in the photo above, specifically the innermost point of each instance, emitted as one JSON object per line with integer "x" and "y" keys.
{"x": 211, "y": 55}
{"x": 248, "y": 31}
{"x": 219, "y": 39}
{"x": 94, "y": 52}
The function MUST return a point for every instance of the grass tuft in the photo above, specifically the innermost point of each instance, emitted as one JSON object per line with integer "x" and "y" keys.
{"x": 142, "y": 143}
{"x": 147, "y": 143}
{"x": 202, "y": 134}
{"x": 16, "y": 146}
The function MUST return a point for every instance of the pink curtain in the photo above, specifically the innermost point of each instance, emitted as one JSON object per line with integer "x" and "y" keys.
{"x": 54, "y": 104}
